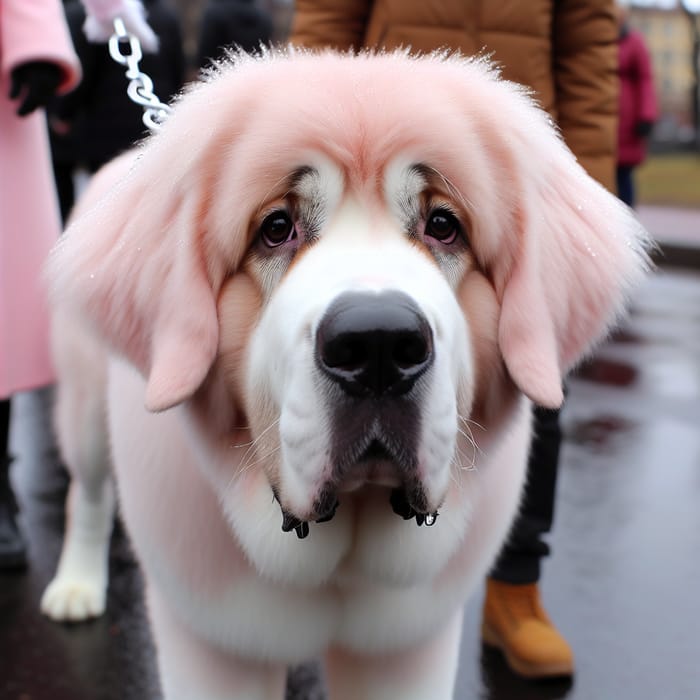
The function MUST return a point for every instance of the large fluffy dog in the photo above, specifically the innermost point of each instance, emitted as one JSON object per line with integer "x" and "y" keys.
{"x": 336, "y": 283}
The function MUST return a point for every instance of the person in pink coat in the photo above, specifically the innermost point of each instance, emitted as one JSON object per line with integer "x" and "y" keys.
{"x": 37, "y": 61}
{"x": 638, "y": 108}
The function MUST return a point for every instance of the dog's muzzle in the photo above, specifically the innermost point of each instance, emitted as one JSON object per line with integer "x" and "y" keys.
{"x": 373, "y": 347}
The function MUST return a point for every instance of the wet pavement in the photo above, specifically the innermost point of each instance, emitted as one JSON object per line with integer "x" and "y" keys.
{"x": 622, "y": 582}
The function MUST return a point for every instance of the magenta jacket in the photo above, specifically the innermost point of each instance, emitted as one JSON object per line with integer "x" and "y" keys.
{"x": 637, "y": 97}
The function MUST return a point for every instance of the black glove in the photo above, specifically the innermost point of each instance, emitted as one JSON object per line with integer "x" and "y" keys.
{"x": 34, "y": 83}
{"x": 644, "y": 128}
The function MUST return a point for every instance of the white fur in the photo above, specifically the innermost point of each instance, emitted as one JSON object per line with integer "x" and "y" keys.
{"x": 159, "y": 293}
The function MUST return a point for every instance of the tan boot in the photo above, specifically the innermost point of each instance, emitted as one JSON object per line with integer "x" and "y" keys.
{"x": 515, "y": 622}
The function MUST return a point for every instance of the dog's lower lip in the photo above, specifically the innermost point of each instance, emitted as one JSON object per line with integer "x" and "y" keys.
{"x": 401, "y": 506}
{"x": 327, "y": 505}
{"x": 326, "y": 513}
{"x": 291, "y": 522}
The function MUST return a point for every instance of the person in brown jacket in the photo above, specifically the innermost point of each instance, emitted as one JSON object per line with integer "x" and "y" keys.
{"x": 566, "y": 52}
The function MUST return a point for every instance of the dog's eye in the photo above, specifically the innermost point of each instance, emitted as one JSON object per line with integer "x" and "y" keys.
{"x": 277, "y": 228}
{"x": 443, "y": 226}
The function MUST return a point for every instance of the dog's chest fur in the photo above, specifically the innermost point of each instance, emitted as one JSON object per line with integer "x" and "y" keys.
{"x": 356, "y": 580}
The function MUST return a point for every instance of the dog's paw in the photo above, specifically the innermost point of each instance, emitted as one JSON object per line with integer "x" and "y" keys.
{"x": 74, "y": 599}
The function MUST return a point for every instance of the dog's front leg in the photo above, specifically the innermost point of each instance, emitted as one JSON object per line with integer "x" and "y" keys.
{"x": 78, "y": 591}
{"x": 424, "y": 672}
{"x": 191, "y": 668}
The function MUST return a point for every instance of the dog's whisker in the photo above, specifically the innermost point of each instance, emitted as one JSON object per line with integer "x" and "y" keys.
{"x": 265, "y": 431}
{"x": 463, "y": 455}
{"x": 275, "y": 186}
{"x": 469, "y": 439}
{"x": 248, "y": 459}
{"x": 261, "y": 457}
{"x": 470, "y": 421}
{"x": 468, "y": 433}
{"x": 253, "y": 443}
{"x": 470, "y": 467}
{"x": 454, "y": 478}
{"x": 248, "y": 466}
{"x": 459, "y": 467}
{"x": 453, "y": 190}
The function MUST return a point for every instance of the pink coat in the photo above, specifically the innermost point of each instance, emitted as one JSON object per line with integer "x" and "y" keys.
{"x": 29, "y": 215}
{"x": 637, "y": 97}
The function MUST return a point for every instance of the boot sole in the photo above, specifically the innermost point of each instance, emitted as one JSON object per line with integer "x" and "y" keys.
{"x": 491, "y": 638}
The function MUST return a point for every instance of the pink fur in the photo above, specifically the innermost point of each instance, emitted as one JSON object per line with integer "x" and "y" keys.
{"x": 156, "y": 264}
{"x": 560, "y": 249}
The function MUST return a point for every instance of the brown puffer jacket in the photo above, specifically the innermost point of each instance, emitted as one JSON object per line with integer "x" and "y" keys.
{"x": 566, "y": 50}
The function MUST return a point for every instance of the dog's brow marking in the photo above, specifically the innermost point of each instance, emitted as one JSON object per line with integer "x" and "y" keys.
{"x": 301, "y": 173}
{"x": 407, "y": 196}
{"x": 313, "y": 201}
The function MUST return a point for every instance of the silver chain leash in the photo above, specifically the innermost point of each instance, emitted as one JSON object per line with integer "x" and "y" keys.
{"x": 140, "y": 89}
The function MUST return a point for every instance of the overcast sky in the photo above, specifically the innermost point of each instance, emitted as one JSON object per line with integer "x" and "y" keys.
{"x": 693, "y": 5}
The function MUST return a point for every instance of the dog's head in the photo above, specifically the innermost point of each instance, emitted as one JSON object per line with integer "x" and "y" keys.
{"x": 352, "y": 260}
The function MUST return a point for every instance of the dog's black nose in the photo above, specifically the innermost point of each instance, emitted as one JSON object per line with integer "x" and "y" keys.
{"x": 374, "y": 343}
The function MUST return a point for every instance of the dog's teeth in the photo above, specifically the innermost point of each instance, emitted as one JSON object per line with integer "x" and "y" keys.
{"x": 302, "y": 530}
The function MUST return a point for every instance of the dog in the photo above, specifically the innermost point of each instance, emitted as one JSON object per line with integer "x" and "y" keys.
{"x": 306, "y": 322}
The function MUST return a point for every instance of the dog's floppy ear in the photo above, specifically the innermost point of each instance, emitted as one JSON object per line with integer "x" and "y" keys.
{"x": 579, "y": 251}
{"x": 133, "y": 264}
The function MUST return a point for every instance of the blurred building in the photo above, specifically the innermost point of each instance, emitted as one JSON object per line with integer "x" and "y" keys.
{"x": 670, "y": 40}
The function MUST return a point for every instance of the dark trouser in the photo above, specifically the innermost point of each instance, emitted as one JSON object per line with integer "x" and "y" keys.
{"x": 63, "y": 176}
{"x": 519, "y": 560}
{"x": 4, "y": 428}
{"x": 13, "y": 550}
{"x": 6, "y": 495}
{"x": 625, "y": 184}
